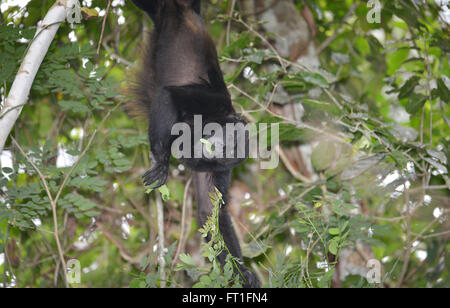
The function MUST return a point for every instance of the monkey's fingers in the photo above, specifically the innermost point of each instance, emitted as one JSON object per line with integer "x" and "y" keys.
{"x": 156, "y": 177}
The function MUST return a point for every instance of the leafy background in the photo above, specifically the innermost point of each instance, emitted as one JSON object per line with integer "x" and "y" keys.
{"x": 363, "y": 174}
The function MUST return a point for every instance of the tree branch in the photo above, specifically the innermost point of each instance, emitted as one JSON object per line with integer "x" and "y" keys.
{"x": 20, "y": 89}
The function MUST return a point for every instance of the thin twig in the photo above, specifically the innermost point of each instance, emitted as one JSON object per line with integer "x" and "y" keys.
{"x": 338, "y": 31}
{"x": 233, "y": 4}
{"x": 280, "y": 59}
{"x": 161, "y": 260}
{"x": 183, "y": 223}
{"x": 408, "y": 238}
{"x": 283, "y": 211}
{"x": 135, "y": 204}
{"x": 290, "y": 167}
{"x": 3, "y": 114}
{"x": 436, "y": 187}
{"x": 292, "y": 122}
{"x": 122, "y": 250}
{"x": 435, "y": 235}
{"x": 116, "y": 57}
{"x": 419, "y": 236}
{"x": 84, "y": 152}
{"x": 430, "y": 97}
{"x": 53, "y": 205}
{"x": 74, "y": 166}
{"x": 422, "y": 120}
{"x": 7, "y": 261}
{"x": 53, "y": 201}
{"x": 308, "y": 252}
{"x": 103, "y": 27}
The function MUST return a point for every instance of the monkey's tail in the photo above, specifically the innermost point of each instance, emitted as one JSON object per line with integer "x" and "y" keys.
{"x": 205, "y": 184}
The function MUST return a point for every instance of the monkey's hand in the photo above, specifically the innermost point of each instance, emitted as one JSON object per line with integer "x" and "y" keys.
{"x": 156, "y": 176}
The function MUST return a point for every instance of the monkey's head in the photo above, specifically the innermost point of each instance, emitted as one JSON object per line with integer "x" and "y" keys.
{"x": 160, "y": 8}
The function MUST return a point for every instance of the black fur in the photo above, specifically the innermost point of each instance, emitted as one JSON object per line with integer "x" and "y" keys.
{"x": 181, "y": 77}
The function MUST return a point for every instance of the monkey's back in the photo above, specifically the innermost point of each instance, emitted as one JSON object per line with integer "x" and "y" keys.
{"x": 185, "y": 53}
{"x": 180, "y": 52}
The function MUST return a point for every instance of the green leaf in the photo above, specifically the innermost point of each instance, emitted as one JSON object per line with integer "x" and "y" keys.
{"x": 89, "y": 13}
{"x": 165, "y": 193}
{"x": 323, "y": 155}
{"x": 145, "y": 262}
{"x": 209, "y": 145}
{"x": 92, "y": 213}
{"x": 199, "y": 285}
{"x": 299, "y": 80}
{"x": 256, "y": 57}
{"x": 342, "y": 229}
{"x": 399, "y": 158}
{"x": 442, "y": 91}
{"x": 254, "y": 249}
{"x": 334, "y": 231}
{"x": 395, "y": 59}
{"x": 315, "y": 79}
{"x": 74, "y": 106}
{"x": 333, "y": 247}
{"x": 349, "y": 206}
{"x": 7, "y": 66}
{"x": 408, "y": 87}
{"x": 187, "y": 259}
{"x": 205, "y": 280}
{"x": 325, "y": 279}
{"x": 415, "y": 103}
{"x": 136, "y": 283}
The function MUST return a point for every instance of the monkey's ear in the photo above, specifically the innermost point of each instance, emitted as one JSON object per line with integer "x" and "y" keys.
{"x": 151, "y": 7}
{"x": 195, "y": 5}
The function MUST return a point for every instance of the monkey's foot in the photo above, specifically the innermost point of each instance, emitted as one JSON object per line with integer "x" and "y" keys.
{"x": 251, "y": 280}
{"x": 156, "y": 176}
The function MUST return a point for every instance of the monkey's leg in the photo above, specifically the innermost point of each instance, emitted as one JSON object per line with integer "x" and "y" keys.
{"x": 163, "y": 115}
{"x": 249, "y": 279}
{"x": 204, "y": 184}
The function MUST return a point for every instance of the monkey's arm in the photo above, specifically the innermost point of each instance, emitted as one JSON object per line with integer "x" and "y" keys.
{"x": 163, "y": 116}
{"x": 201, "y": 99}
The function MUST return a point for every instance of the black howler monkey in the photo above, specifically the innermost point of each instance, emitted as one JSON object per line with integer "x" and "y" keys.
{"x": 181, "y": 77}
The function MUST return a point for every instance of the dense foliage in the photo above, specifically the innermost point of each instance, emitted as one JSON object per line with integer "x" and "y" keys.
{"x": 375, "y": 123}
